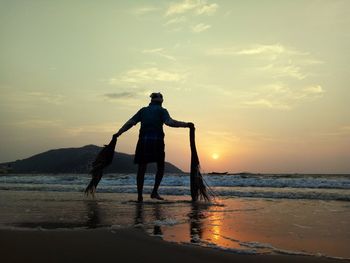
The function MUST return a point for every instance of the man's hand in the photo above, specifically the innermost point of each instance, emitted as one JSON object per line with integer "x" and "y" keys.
{"x": 190, "y": 125}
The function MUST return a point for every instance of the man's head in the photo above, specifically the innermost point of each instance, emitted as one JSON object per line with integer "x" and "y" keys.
{"x": 156, "y": 97}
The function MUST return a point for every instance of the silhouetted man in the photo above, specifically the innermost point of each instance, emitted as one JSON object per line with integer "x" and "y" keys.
{"x": 150, "y": 146}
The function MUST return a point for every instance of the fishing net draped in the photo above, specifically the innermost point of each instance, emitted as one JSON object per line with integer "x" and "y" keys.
{"x": 198, "y": 188}
{"x": 103, "y": 159}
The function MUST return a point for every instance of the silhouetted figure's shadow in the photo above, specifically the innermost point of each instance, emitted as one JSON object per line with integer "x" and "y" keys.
{"x": 196, "y": 216}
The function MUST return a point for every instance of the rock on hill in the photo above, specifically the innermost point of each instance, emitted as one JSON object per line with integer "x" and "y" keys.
{"x": 77, "y": 160}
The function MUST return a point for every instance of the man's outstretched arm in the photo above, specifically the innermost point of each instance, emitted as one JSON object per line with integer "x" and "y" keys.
{"x": 125, "y": 127}
{"x": 178, "y": 124}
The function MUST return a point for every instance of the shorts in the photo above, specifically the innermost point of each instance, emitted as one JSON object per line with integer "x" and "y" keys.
{"x": 149, "y": 149}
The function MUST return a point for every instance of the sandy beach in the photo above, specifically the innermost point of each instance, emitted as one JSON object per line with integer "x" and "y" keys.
{"x": 122, "y": 245}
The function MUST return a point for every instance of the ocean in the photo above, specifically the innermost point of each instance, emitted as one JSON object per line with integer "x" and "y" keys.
{"x": 288, "y": 186}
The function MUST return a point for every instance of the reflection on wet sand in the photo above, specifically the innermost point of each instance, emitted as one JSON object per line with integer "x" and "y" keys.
{"x": 156, "y": 215}
{"x": 139, "y": 214}
{"x": 216, "y": 221}
{"x": 93, "y": 215}
{"x": 196, "y": 217}
{"x": 205, "y": 223}
{"x": 202, "y": 224}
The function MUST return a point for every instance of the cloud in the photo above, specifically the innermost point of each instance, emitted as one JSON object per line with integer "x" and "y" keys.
{"x": 144, "y": 10}
{"x": 182, "y": 7}
{"x": 317, "y": 89}
{"x": 129, "y": 97}
{"x": 176, "y": 21}
{"x": 266, "y": 49}
{"x": 311, "y": 92}
{"x": 282, "y": 97}
{"x": 200, "y": 28}
{"x": 160, "y": 52}
{"x": 197, "y": 7}
{"x": 182, "y": 10}
{"x": 277, "y": 64}
{"x": 147, "y": 75}
{"x": 278, "y": 70}
{"x": 258, "y": 49}
{"x": 265, "y": 103}
{"x": 272, "y": 60}
{"x": 207, "y": 9}
{"x": 120, "y": 95}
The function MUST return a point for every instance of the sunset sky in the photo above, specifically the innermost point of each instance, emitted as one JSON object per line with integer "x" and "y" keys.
{"x": 265, "y": 82}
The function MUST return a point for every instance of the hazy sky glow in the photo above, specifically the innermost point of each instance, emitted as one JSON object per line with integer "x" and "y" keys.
{"x": 265, "y": 82}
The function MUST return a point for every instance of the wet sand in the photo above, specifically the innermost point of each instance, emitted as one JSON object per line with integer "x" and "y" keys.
{"x": 122, "y": 245}
{"x": 68, "y": 225}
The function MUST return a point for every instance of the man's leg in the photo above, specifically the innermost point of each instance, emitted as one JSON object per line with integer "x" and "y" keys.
{"x": 140, "y": 179}
{"x": 159, "y": 177}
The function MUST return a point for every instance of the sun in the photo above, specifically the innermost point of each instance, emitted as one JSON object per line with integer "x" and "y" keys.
{"x": 215, "y": 156}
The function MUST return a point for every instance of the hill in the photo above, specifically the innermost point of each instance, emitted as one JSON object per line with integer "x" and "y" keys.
{"x": 77, "y": 160}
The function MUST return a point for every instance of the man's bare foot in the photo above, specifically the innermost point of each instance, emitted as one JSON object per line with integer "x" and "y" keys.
{"x": 156, "y": 196}
{"x": 139, "y": 199}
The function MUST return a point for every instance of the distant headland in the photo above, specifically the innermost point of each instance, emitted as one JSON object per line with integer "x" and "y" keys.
{"x": 76, "y": 160}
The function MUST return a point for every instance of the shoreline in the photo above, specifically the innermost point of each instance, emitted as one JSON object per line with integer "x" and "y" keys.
{"x": 124, "y": 244}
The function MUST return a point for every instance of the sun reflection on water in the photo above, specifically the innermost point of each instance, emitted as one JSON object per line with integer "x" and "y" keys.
{"x": 214, "y": 227}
